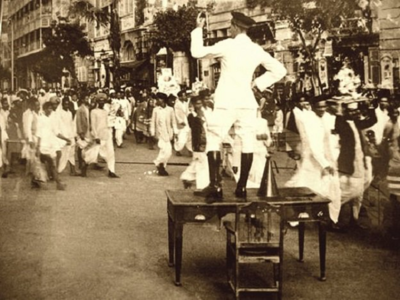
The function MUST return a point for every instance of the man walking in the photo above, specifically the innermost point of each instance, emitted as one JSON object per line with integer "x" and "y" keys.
{"x": 67, "y": 128}
{"x": 163, "y": 128}
{"x": 83, "y": 132}
{"x": 234, "y": 98}
{"x": 102, "y": 133}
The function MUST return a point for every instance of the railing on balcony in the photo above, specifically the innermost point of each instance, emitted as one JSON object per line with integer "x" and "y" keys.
{"x": 25, "y": 50}
{"x": 22, "y": 28}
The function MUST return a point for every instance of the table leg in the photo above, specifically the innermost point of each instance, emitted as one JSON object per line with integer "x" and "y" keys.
{"x": 171, "y": 242}
{"x": 302, "y": 228}
{"x": 322, "y": 249}
{"x": 178, "y": 253}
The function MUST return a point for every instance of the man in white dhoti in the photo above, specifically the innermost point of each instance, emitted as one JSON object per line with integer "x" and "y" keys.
{"x": 319, "y": 165}
{"x": 163, "y": 128}
{"x": 83, "y": 132}
{"x": 49, "y": 142}
{"x": 197, "y": 171}
{"x": 29, "y": 120}
{"x": 67, "y": 129}
{"x": 102, "y": 133}
{"x": 181, "y": 109}
{"x": 234, "y": 98}
{"x": 4, "y": 113}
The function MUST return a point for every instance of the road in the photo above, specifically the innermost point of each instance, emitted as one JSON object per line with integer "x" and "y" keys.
{"x": 106, "y": 238}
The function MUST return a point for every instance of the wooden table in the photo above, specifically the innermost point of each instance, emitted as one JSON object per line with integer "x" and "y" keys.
{"x": 298, "y": 204}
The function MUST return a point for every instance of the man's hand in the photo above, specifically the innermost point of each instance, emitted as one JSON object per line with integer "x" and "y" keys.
{"x": 328, "y": 171}
{"x": 201, "y": 20}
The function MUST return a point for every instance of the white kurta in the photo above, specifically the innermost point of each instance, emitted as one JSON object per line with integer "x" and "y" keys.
{"x": 47, "y": 131}
{"x": 68, "y": 130}
{"x": 184, "y": 136}
{"x": 102, "y": 131}
{"x": 316, "y": 155}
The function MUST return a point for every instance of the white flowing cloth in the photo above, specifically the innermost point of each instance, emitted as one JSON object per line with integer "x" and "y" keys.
{"x": 197, "y": 170}
{"x": 317, "y": 155}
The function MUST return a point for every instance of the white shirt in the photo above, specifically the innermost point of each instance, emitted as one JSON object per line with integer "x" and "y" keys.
{"x": 99, "y": 120}
{"x": 239, "y": 58}
{"x": 67, "y": 127}
{"x": 47, "y": 132}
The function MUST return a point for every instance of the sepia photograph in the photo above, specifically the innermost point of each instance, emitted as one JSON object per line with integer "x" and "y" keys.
{"x": 199, "y": 149}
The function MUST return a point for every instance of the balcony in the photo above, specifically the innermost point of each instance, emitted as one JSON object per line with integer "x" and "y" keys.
{"x": 28, "y": 49}
{"x": 23, "y": 27}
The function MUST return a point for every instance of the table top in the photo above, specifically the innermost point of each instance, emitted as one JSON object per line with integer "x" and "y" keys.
{"x": 287, "y": 196}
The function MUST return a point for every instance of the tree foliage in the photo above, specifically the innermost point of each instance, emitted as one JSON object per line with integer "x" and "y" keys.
{"x": 114, "y": 38}
{"x": 311, "y": 20}
{"x": 83, "y": 9}
{"x": 173, "y": 27}
{"x": 64, "y": 41}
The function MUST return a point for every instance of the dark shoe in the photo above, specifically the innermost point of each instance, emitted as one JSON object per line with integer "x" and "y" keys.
{"x": 241, "y": 192}
{"x": 112, "y": 175}
{"x": 210, "y": 192}
{"x": 73, "y": 172}
{"x": 35, "y": 184}
{"x": 4, "y": 175}
{"x": 98, "y": 167}
{"x": 335, "y": 227}
{"x": 161, "y": 170}
{"x": 187, "y": 184}
{"x": 83, "y": 170}
{"x": 61, "y": 186}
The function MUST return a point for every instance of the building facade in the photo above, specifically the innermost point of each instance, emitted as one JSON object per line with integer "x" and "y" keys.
{"x": 28, "y": 21}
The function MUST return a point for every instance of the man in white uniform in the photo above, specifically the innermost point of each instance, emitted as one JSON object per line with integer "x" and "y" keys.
{"x": 234, "y": 98}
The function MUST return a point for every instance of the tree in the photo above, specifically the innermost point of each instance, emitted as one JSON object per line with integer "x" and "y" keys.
{"x": 311, "y": 21}
{"x": 114, "y": 38}
{"x": 83, "y": 9}
{"x": 172, "y": 30}
{"x": 62, "y": 43}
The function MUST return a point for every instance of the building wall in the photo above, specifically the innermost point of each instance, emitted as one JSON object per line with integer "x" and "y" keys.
{"x": 389, "y": 43}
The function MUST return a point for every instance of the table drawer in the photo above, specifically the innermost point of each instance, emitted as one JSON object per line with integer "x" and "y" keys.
{"x": 306, "y": 212}
{"x": 197, "y": 214}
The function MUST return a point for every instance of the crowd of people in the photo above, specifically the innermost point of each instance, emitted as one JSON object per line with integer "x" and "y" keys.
{"x": 341, "y": 144}
{"x": 51, "y": 129}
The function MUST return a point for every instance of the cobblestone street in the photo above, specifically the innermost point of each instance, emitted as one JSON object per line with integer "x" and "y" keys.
{"x": 107, "y": 239}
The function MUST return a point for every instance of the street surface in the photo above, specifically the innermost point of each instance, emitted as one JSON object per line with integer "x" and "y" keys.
{"x": 106, "y": 238}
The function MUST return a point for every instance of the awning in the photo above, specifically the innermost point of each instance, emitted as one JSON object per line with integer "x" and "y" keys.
{"x": 132, "y": 64}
